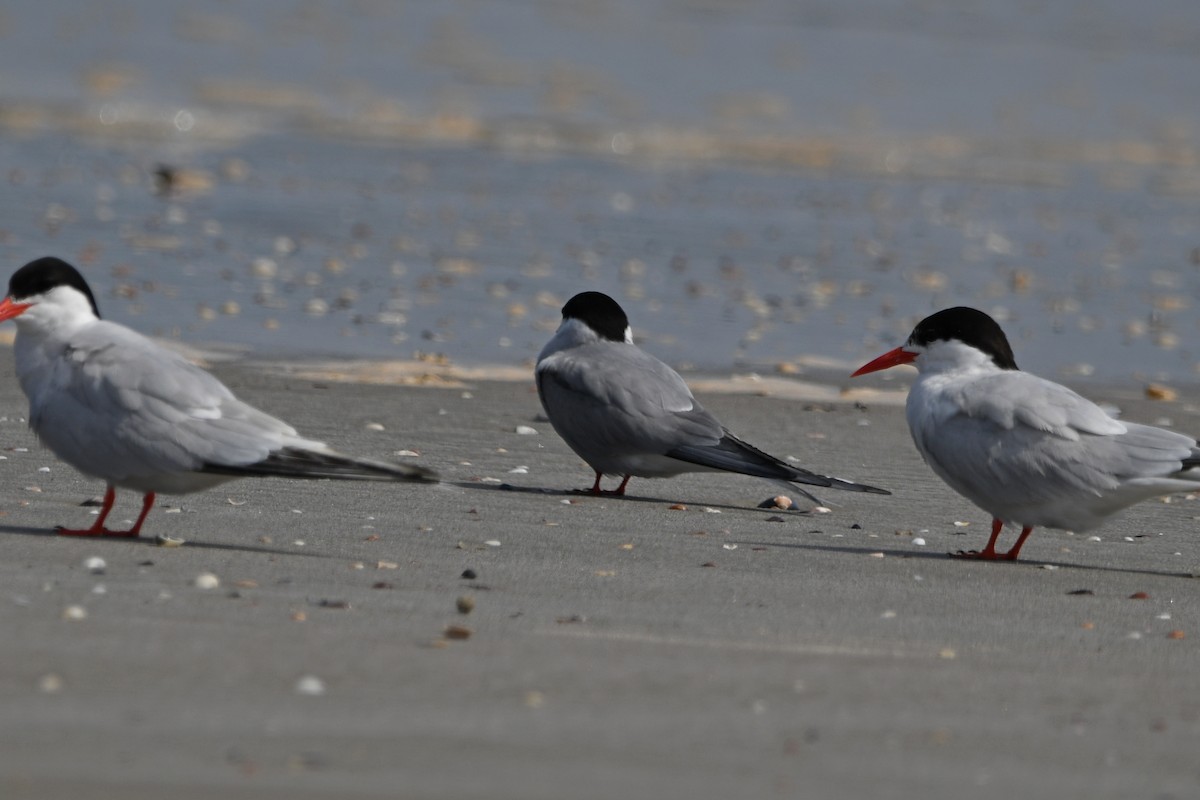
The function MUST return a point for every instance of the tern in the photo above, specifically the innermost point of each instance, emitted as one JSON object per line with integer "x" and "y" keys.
{"x": 1026, "y": 450}
{"x": 120, "y": 408}
{"x": 626, "y": 413}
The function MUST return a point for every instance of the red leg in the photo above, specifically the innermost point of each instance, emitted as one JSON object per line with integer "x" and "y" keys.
{"x": 136, "y": 530}
{"x": 618, "y": 492}
{"x": 97, "y": 529}
{"x": 989, "y": 553}
{"x": 1011, "y": 555}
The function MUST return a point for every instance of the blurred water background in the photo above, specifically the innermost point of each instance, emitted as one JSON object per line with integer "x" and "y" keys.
{"x": 759, "y": 182}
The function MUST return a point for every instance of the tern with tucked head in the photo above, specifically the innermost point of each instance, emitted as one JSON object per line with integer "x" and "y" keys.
{"x": 626, "y": 413}
{"x": 1028, "y": 451}
{"x": 122, "y": 409}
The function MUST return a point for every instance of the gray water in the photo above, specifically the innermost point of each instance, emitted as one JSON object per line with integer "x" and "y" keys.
{"x": 754, "y": 181}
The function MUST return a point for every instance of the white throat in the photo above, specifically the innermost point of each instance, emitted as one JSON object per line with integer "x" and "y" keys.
{"x": 945, "y": 356}
{"x": 56, "y": 314}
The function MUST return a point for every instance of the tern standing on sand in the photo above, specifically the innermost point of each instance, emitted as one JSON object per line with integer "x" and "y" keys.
{"x": 120, "y": 408}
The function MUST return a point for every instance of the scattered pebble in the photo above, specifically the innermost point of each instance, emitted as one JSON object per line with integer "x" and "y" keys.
{"x": 960, "y": 524}
{"x": 1176, "y": 634}
{"x": 469, "y": 575}
{"x": 406, "y": 453}
{"x": 310, "y": 686}
{"x": 918, "y": 541}
{"x": 729, "y": 546}
{"x": 374, "y": 426}
{"x": 525, "y": 430}
{"x": 1139, "y": 596}
{"x": 457, "y": 632}
{"x": 52, "y": 684}
{"x": 74, "y": 613}
{"x": 1156, "y": 391}
{"x": 206, "y": 580}
{"x": 519, "y": 470}
{"x": 168, "y": 541}
{"x": 465, "y": 604}
{"x": 386, "y": 565}
{"x": 492, "y": 542}
{"x": 779, "y": 501}
{"x": 822, "y": 510}
{"x": 677, "y": 507}
{"x": 1094, "y": 539}
{"x": 875, "y": 555}
{"x": 95, "y": 565}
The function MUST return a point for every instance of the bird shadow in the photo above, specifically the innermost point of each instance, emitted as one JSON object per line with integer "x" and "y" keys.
{"x": 144, "y": 541}
{"x": 939, "y": 556}
{"x": 631, "y": 498}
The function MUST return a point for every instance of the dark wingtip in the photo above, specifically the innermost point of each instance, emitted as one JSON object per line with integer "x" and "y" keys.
{"x": 850, "y": 486}
{"x": 293, "y": 462}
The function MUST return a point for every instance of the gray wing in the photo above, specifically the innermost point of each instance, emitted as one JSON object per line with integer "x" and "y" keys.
{"x": 121, "y": 406}
{"x": 1014, "y": 400}
{"x": 1021, "y": 441}
{"x": 607, "y": 399}
{"x": 617, "y": 398}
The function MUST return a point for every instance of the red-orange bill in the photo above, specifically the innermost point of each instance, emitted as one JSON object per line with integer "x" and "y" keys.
{"x": 892, "y": 358}
{"x": 9, "y": 309}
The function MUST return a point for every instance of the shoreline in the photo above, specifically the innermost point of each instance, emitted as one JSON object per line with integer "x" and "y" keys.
{"x": 676, "y": 643}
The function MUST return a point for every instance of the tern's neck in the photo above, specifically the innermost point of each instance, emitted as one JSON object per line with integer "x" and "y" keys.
{"x": 950, "y": 357}
{"x": 56, "y": 317}
{"x": 573, "y": 333}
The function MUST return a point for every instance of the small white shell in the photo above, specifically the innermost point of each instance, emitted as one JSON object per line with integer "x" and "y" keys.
{"x": 206, "y": 580}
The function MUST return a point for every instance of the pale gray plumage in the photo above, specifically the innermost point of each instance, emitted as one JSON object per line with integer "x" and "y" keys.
{"x": 627, "y": 413}
{"x": 1033, "y": 452}
{"x": 1026, "y": 450}
{"x": 119, "y": 407}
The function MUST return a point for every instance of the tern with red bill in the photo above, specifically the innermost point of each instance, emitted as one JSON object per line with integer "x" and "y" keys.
{"x": 1028, "y": 451}
{"x": 626, "y": 413}
{"x": 122, "y": 409}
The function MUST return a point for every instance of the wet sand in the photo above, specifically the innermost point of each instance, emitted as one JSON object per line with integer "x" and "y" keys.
{"x": 617, "y": 646}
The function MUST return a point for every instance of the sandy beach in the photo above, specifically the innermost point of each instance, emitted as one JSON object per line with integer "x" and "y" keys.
{"x": 676, "y": 643}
